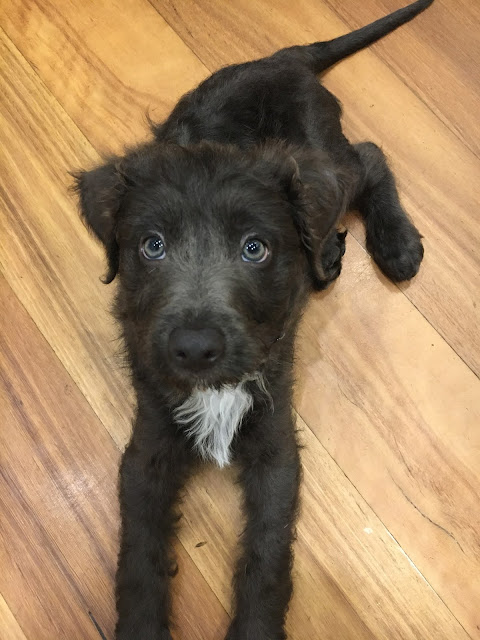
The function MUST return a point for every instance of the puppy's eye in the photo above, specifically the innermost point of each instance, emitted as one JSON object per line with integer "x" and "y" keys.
{"x": 254, "y": 250}
{"x": 153, "y": 248}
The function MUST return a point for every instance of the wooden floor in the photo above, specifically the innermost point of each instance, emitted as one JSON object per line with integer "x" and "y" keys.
{"x": 388, "y": 393}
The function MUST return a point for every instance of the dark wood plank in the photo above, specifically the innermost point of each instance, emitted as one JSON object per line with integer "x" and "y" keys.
{"x": 57, "y": 489}
{"x": 45, "y": 251}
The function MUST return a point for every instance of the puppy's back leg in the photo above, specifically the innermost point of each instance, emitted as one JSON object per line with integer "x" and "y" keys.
{"x": 392, "y": 239}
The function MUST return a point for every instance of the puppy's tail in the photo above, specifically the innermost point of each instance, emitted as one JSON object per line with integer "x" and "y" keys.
{"x": 321, "y": 55}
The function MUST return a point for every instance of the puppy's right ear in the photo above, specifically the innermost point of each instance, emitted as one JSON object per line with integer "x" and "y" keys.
{"x": 100, "y": 193}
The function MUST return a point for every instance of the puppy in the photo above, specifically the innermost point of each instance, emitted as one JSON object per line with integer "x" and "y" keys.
{"x": 218, "y": 229}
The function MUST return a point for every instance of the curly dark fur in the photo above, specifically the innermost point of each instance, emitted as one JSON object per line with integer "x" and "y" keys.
{"x": 256, "y": 150}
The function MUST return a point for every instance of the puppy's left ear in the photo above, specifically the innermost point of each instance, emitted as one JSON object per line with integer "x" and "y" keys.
{"x": 318, "y": 192}
{"x": 100, "y": 193}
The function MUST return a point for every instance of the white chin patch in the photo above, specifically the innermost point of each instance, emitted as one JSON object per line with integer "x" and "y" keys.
{"x": 212, "y": 418}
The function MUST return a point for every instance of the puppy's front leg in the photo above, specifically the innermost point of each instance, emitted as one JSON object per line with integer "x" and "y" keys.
{"x": 153, "y": 470}
{"x": 263, "y": 586}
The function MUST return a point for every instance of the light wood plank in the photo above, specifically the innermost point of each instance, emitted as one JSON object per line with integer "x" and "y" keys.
{"x": 45, "y": 252}
{"x": 8, "y": 625}
{"x": 59, "y": 506}
{"x": 399, "y": 412}
{"x": 107, "y": 63}
{"x": 436, "y": 55}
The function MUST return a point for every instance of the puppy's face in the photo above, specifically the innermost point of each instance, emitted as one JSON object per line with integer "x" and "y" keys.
{"x": 210, "y": 247}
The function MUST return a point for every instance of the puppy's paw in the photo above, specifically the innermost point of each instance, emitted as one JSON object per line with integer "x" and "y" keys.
{"x": 332, "y": 254}
{"x": 398, "y": 252}
{"x": 254, "y": 630}
{"x": 132, "y": 633}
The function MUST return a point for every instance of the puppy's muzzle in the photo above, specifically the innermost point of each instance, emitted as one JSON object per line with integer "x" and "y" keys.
{"x": 196, "y": 349}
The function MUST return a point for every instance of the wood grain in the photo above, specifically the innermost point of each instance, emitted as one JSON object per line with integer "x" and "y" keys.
{"x": 45, "y": 247}
{"x": 399, "y": 412}
{"x": 57, "y": 489}
{"x": 435, "y": 56}
{"x": 9, "y": 626}
{"x": 107, "y": 63}
{"x": 388, "y": 543}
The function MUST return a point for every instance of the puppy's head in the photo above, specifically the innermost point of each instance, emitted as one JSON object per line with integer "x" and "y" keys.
{"x": 215, "y": 249}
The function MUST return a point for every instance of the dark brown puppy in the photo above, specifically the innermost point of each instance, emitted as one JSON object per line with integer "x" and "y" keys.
{"x": 218, "y": 229}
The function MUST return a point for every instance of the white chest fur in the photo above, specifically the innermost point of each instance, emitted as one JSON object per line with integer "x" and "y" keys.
{"x": 212, "y": 418}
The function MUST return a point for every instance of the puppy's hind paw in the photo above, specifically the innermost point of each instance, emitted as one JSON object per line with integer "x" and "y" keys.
{"x": 399, "y": 253}
{"x": 332, "y": 254}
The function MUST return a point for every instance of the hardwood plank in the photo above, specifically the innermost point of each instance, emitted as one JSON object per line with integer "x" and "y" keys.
{"x": 352, "y": 579}
{"x": 436, "y": 173}
{"x": 399, "y": 412}
{"x": 436, "y": 56}
{"x": 46, "y": 253}
{"x": 197, "y": 612}
{"x": 8, "y": 625}
{"x": 107, "y": 63}
{"x": 57, "y": 489}
{"x": 58, "y": 494}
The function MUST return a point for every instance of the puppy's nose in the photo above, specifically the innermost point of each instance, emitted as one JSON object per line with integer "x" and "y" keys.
{"x": 196, "y": 349}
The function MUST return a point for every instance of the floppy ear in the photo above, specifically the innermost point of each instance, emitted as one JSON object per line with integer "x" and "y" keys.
{"x": 100, "y": 192}
{"x": 319, "y": 194}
